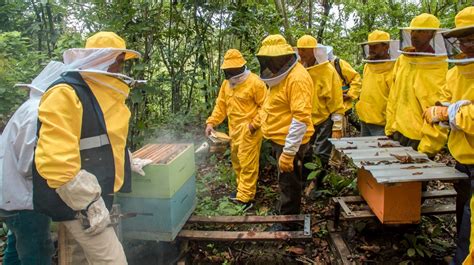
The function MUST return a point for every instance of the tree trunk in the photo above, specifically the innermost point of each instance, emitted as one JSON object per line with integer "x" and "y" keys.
{"x": 326, "y": 9}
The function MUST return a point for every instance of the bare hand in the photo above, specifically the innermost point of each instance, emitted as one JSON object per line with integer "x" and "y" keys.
{"x": 346, "y": 97}
{"x": 252, "y": 129}
{"x": 209, "y": 129}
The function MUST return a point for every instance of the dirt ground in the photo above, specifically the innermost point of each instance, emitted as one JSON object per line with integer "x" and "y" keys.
{"x": 430, "y": 242}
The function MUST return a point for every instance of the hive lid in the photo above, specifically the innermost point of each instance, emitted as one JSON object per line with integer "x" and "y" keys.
{"x": 160, "y": 153}
{"x": 389, "y": 162}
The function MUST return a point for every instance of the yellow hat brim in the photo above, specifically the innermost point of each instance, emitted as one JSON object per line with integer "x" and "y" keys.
{"x": 457, "y": 31}
{"x": 417, "y": 28}
{"x": 375, "y": 42}
{"x": 234, "y": 63}
{"x": 307, "y": 47}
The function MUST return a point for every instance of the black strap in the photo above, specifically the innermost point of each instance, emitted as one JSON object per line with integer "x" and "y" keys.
{"x": 337, "y": 65}
{"x": 74, "y": 78}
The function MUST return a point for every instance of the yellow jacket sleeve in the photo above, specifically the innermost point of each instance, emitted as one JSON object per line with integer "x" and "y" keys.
{"x": 300, "y": 95}
{"x": 433, "y": 140}
{"x": 57, "y": 156}
{"x": 391, "y": 102}
{"x": 335, "y": 95}
{"x": 465, "y": 119}
{"x": 259, "y": 92}
{"x": 434, "y": 137}
{"x": 219, "y": 113}
{"x": 354, "y": 79}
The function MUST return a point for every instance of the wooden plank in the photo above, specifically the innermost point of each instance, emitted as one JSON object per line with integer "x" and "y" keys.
{"x": 63, "y": 255}
{"x": 246, "y": 219}
{"x": 438, "y": 194}
{"x": 344, "y": 206}
{"x": 340, "y": 248}
{"x": 438, "y": 209}
{"x": 373, "y": 152}
{"x": 350, "y": 199}
{"x": 362, "y": 214}
{"x": 428, "y": 164}
{"x": 384, "y": 156}
{"x": 241, "y": 235}
{"x": 425, "y": 210}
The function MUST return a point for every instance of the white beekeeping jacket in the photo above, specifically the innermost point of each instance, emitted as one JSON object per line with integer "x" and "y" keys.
{"x": 17, "y": 144}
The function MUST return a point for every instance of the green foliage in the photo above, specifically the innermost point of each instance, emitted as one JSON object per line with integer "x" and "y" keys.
{"x": 17, "y": 65}
{"x": 416, "y": 246}
{"x": 315, "y": 167}
{"x": 266, "y": 157}
{"x": 338, "y": 183}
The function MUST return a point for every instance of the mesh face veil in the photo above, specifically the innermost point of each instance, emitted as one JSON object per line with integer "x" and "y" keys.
{"x": 428, "y": 42}
{"x": 380, "y": 51}
{"x": 460, "y": 47}
{"x": 97, "y": 61}
{"x": 44, "y": 79}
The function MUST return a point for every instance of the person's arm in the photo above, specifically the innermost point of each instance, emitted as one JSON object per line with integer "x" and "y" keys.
{"x": 57, "y": 156}
{"x": 464, "y": 119}
{"x": 354, "y": 79}
{"x": 24, "y": 143}
{"x": 260, "y": 93}
{"x": 300, "y": 97}
{"x": 391, "y": 102}
{"x": 434, "y": 137}
{"x": 334, "y": 94}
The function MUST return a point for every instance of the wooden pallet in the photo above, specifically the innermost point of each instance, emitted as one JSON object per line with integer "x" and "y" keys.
{"x": 248, "y": 235}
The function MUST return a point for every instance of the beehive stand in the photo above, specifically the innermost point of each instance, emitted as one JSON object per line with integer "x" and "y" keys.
{"x": 389, "y": 180}
{"x": 305, "y": 233}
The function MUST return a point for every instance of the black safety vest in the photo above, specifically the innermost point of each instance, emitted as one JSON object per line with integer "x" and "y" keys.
{"x": 96, "y": 155}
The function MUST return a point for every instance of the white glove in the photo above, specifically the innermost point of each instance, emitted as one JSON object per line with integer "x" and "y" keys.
{"x": 138, "y": 164}
{"x": 453, "y": 109}
{"x": 337, "y": 121}
{"x": 82, "y": 194}
{"x": 95, "y": 218}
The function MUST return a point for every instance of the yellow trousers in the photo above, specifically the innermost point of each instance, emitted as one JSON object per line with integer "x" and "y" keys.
{"x": 245, "y": 155}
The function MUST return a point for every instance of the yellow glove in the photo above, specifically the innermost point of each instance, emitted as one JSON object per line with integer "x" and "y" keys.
{"x": 435, "y": 114}
{"x": 337, "y": 134}
{"x": 285, "y": 163}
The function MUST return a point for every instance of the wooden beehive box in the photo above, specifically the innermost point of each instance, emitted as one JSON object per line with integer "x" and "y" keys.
{"x": 398, "y": 203}
{"x": 161, "y": 201}
{"x": 173, "y": 165}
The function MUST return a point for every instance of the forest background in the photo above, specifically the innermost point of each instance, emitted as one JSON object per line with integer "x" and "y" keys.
{"x": 183, "y": 43}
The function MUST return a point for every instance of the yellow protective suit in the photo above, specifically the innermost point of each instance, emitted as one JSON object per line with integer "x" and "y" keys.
{"x": 60, "y": 113}
{"x": 327, "y": 93}
{"x": 460, "y": 86}
{"x": 353, "y": 79}
{"x": 375, "y": 90}
{"x": 417, "y": 85}
{"x": 290, "y": 99}
{"x": 241, "y": 105}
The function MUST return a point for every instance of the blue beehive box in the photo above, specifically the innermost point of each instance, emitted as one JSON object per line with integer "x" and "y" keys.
{"x": 158, "y": 219}
{"x": 162, "y": 201}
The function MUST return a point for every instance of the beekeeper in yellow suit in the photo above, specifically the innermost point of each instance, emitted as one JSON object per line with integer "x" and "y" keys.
{"x": 286, "y": 117}
{"x": 81, "y": 158}
{"x": 351, "y": 86}
{"x": 419, "y": 76}
{"x": 327, "y": 106}
{"x": 380, "y": 53}
{"x": 240, "y": 99}
{"x": 456, "y": 109}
